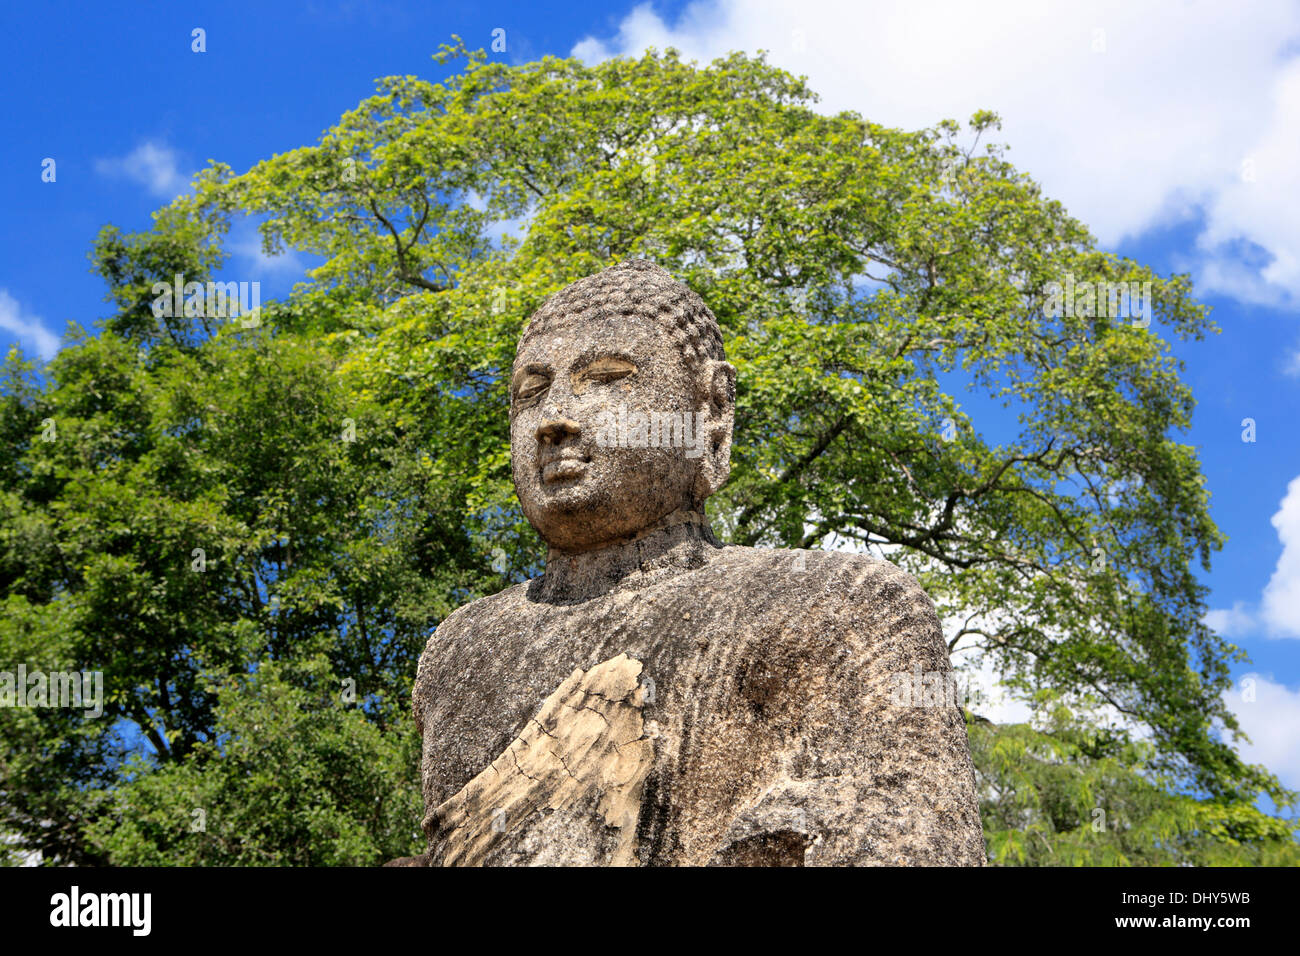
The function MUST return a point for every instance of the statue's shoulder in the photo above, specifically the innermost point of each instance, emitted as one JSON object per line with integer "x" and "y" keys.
{"x": 502, "y": 602}
{"x": 858, "y": 597}
{"x": 832, "y": 577}
{"x": 455, "y": 634}
{"x": 456, "y": 642}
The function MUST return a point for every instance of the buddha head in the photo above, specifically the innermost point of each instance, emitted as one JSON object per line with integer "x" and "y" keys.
{"x": 621, "y": 407}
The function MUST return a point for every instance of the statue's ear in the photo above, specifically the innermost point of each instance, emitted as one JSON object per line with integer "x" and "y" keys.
{"x": 717, "y": 418}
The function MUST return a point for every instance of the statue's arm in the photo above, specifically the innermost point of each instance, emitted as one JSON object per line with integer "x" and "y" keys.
{"x": 906, "y": 750}
{"x": 433, "y": 701}
{"x": 877, "y": 770}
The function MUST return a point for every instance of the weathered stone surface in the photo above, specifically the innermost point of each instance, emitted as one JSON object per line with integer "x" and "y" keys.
{"x": 566, "y": 790}
{"x": 656, "y": 698}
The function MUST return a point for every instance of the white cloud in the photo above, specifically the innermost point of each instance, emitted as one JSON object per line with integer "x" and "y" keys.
{"x": 983, "y": 690}
{"x": 981, "y": 685}
{"x": 1270, "y": 720}
{"x": 152, "y": 165}
{"x": 1278, "y": 614}
{"x": 1259, "y": 208}
{"x": 1236, "y": 621}
{"x": 1280, "y": 605}
{"x": 1174, "y": 112}
{"x": 497, "y": 230}
{"x": 245, "y": 242}
{"x": 29, "y": 329}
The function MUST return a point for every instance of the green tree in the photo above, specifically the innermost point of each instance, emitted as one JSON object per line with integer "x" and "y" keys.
{"x": 210, "y": 505}
{"x": 291, "y": 778}
{"x": 866, "y": 279}
{"x": 1076, "y": 793}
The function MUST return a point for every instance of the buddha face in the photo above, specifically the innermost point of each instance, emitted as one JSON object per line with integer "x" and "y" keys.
{"x": 584, "y": 475}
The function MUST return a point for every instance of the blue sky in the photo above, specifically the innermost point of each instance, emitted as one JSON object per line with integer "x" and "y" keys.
{"x": 1173, "y": 130}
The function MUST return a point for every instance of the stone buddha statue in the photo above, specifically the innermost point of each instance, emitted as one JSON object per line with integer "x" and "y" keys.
{"x": 656, "y": 697}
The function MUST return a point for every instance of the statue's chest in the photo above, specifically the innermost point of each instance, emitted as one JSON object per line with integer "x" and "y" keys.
{"x": 703, "y": 709}
{"x": 491, "y": 677}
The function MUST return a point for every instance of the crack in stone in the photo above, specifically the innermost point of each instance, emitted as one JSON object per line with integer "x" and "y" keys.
{"x": 521, "y": 769}
{"x": 564, "y": 763}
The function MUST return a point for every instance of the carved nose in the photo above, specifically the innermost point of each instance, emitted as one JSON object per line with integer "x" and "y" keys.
{"x": 553, "y": 430}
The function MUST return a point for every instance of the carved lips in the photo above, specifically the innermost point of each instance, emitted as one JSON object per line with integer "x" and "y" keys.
{"x": 562, "y": 467}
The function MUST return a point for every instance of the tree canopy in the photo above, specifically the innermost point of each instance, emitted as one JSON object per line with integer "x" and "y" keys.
{"x": 251, "y": 529}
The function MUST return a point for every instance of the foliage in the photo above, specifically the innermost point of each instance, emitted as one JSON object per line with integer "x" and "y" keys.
{"x": 1078, "y": 794}
{"x": 297, "y": 780}
{"x": 869, "y": 281}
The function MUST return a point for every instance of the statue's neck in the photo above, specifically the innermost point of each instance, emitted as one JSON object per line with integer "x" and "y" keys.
{"x": 677, "y": 542}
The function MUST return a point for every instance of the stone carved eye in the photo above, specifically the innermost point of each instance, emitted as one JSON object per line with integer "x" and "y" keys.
{"x": 530, "y": 386}
{"x": 608, "y": 370}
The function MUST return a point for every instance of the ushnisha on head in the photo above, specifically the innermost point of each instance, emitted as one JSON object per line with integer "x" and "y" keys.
{"x": 626, "y": 346}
